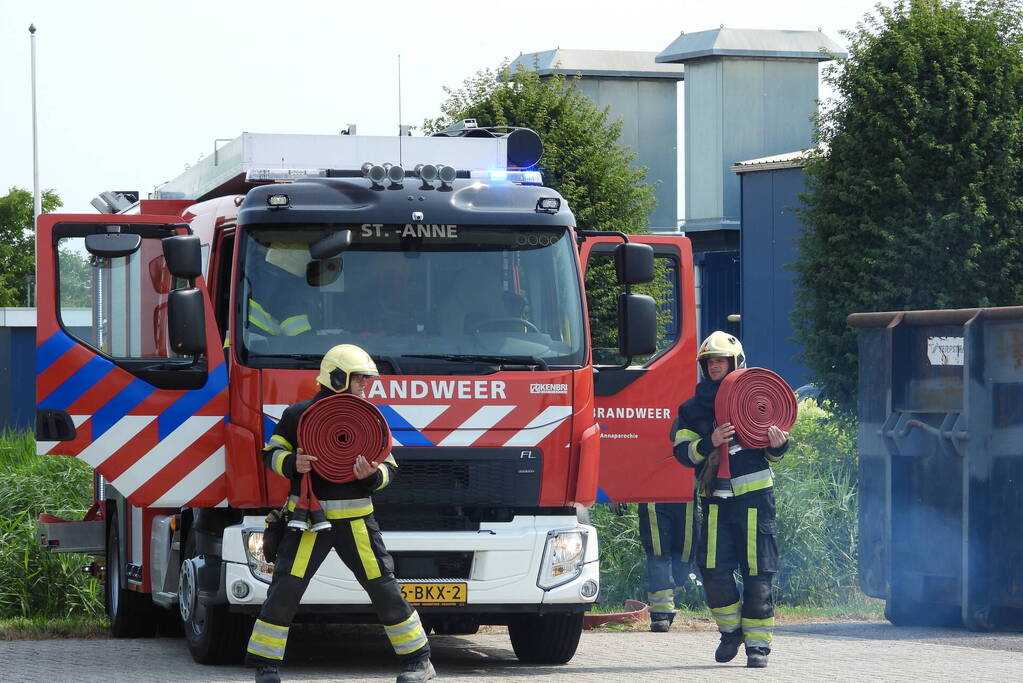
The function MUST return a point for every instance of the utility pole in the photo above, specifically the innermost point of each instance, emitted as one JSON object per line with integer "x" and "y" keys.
{"x": 38, "y": 198}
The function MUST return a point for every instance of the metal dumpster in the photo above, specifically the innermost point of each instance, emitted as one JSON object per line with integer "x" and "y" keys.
{"x": 941, "y": 465}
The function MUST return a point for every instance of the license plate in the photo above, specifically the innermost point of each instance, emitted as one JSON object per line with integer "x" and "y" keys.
{"x": 428, "y": 593}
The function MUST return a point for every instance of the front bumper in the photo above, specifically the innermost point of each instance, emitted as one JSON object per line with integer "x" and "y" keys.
{"x": 502, "y": 578}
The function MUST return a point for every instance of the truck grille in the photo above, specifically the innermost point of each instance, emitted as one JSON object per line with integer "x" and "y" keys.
{"x": 492, "y": 477}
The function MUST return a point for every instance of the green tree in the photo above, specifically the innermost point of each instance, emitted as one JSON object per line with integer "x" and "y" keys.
{"x": 582, "y": 160}
{"x": 914, "y": 200}
{"x": 17, "y": 243}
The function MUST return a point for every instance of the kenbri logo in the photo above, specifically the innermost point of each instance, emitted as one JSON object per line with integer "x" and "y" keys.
{"x": 548, "y": 388}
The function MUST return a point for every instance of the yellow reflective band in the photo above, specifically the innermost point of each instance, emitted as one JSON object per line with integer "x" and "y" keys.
{"x": 261, "y": 319}
{"x": 763, "y": 636}
{"x": 687, "y": 547}
{"x": 662, "y": 601}
{"x": 349, "y": 514}
{"x": 751, "y": 540}
{"x": 411, "y": 635}
{"x": 268, "y": 641}
{"x": 390, "y": 459}
{"x": 277, "y": 438}
{"x": 712, "y": 536}
{"x": 695, "y": 455}
{"x": 655, "y": 532}
{"x": 752, "y": 482}
{"x": 365, "y": 549}
{"x": 769, "y": 621}
{"x": 683, "y": 435}
{"x": 385, "y": 477}
{"x": 279, "y": 462}
{"x": 295, "y": 325}
{"x": 305, "y": 550}
{"x": 269, "y": 629}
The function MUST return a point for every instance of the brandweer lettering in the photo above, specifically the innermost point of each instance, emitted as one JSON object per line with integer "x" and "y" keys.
{"x": 445, "y": 389}
{"x": 642, "y": 413}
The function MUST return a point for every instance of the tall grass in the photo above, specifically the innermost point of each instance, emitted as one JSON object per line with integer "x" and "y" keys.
{"x": 815, "y": 491}
{"x": 33, "y": 582}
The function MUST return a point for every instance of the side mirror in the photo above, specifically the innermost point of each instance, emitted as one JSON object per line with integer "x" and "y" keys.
{"x": 323, "y": 273}
{"x": 113, "y": 244}
{"x": 186, "y": 320}
{"x": 331, "y": 245}
{"x": 637, "y": 325}
{"x": 634, "y": 263}
{"x": 184, "y": 256}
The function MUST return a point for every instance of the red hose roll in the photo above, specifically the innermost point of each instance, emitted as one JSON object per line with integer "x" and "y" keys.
{"x": 340, "y": 428}
{"x": 751, "y": 399}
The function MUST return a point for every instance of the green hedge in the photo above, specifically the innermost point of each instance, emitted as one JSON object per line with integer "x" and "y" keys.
{"x": 815, "y": 489}
{"x": 33, "y": 582}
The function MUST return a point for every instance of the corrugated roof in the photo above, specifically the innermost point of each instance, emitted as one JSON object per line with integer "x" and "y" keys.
{"x": 773, "y": 163}
{"x": 598, "y": 63}
{"x": 751, "y": 42}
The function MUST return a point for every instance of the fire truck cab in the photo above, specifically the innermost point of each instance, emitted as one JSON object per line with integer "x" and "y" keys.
{"x": 211, "y": 305}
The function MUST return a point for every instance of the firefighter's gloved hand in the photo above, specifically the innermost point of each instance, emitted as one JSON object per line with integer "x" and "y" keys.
{"x": 618, "y": 508}
{"x": 709, "y": 472}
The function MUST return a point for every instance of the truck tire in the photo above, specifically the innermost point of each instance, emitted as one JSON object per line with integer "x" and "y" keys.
{"x": 546, "y": 639}
{"x": 131, "y": 613}
{"x": 214, "y": 634}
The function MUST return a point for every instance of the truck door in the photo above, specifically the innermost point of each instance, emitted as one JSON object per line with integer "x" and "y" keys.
{"x": 635, "y": 406}
{"x": 109, "y": 388}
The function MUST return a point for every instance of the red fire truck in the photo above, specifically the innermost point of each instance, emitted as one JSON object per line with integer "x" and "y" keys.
{"x": 464, "y": 278}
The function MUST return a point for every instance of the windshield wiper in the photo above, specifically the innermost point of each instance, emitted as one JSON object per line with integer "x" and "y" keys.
{"x": 475, "y": 358}
{"x": 294, "y": 356}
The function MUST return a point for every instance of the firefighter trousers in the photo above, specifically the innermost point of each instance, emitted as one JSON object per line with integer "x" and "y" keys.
{"x": 739, "y": 534}
{"x": 360, "y": 546}
{"x": 667, "y": 531}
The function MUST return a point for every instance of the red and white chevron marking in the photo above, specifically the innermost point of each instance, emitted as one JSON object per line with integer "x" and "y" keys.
{"x": 489, "y": 426}
{"x": 186, "y": 468}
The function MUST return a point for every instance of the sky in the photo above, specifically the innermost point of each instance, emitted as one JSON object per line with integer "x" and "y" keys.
{"x": 129, "y": 93}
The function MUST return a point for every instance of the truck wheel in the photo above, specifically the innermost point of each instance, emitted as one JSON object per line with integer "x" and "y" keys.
{"x": 131, "y": 613}
{"x": 546, "y": 639}
{"x": 214, "y": 634}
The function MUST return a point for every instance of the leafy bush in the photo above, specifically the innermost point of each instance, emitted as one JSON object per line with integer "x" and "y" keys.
{"x": 34, "y": 582}
{"x": 815, "y": 490}
{"x": 816, "y": 494}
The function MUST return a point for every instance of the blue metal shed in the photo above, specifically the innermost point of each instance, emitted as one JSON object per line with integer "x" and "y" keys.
{"x": 770, "y": 199}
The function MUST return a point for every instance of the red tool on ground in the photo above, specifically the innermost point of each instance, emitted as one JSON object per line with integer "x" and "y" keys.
{"x": 752, "y": 399}
{"x": 337, "y": 430}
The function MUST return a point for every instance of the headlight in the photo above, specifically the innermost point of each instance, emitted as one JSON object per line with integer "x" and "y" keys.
{"x": 258, "y": 565}
{"x": 563, "y": 558}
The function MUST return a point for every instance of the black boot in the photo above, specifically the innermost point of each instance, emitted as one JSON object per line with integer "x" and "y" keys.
{"x": 660, "y": 622}
{"x": 267, "y": 673}
{"x": 729, "y": 646}
{"x": 756, "y": 657}
{"x": 417, "y": 670}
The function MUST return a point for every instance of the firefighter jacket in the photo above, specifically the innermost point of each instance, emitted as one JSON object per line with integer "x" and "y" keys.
{"x": 751, "y": 469}
{"x": 279, "y": 456}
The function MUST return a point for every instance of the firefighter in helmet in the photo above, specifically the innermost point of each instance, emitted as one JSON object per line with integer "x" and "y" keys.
{"x": 353, "y": 533}
{"x": 737, "y": 530}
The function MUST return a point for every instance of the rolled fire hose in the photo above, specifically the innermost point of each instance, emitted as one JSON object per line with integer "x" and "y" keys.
{"x": 337, "y": 430}
{"x": 752, "y": 399}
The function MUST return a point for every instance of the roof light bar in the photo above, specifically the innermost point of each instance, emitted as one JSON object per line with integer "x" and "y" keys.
{"x": 517, "y": 177}
{"x": 263, "y": 175}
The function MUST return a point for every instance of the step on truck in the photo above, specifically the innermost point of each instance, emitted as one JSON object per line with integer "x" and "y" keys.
{"x": 210, "y": 305}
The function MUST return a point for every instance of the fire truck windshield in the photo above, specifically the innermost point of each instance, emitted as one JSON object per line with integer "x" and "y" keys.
{"x": 410, "y": 289}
